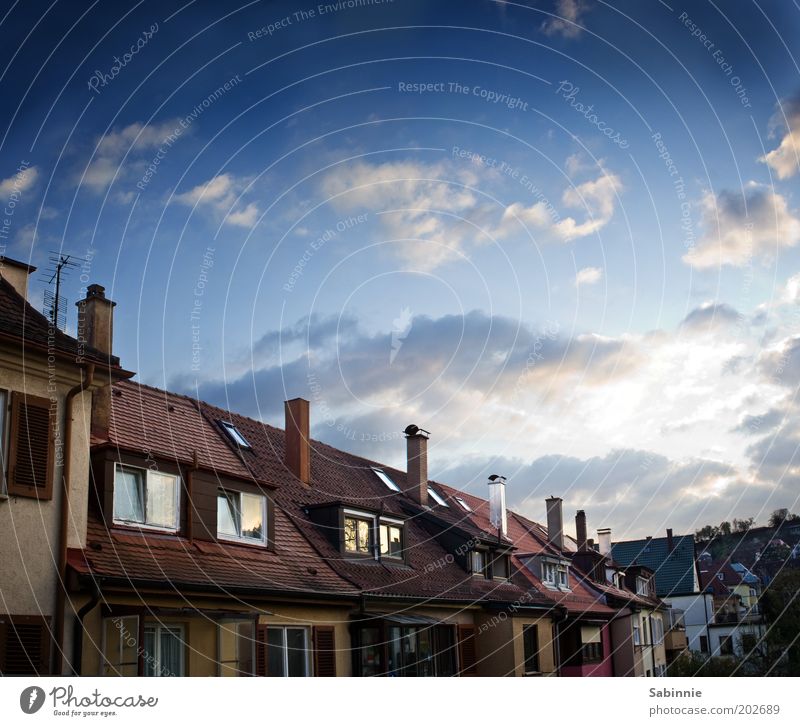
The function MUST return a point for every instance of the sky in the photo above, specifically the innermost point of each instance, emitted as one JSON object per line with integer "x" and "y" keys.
{"x": 562, "y": 236}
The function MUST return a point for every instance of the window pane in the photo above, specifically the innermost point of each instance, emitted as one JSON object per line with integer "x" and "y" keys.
{"x": 391, "y": 541}
{"x": 363, "y": 536}
{"x": 227, "y": 515}
{"x": 171, "y": 661}
{"x": 161, "y": 491}
{"x": 296, "y": 651}
{"x": 350, "y": 535}
{"x": 128, "y": 495}
{"x": 530, "y": 639}
{"x": 253, "y": 516}
{"x": 150, "y": 654}
{"x": 276, "y": 652}
{"x": 395, "y": 663}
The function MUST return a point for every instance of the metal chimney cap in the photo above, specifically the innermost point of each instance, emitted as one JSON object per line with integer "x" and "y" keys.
{"x": 495, "y": 477}
{"x": 414, "y": 430}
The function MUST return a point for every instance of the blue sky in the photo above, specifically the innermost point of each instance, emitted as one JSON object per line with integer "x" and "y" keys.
{"x": 562, "y": 236}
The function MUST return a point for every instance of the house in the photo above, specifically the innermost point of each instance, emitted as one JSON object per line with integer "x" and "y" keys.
{"x": 677, "y": 583}
{"x": 47, "y": 380}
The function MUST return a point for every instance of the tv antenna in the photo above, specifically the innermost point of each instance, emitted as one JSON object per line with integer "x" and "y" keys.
{"x": 55, "y": 306}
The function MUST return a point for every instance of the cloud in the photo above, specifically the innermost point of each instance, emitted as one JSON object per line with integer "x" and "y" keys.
{"x": 785, "y": 158}
{"x": 588, "y": 276}
{"x": 222, "y": 194}
{"x": 710, "y": 316}
{"x": 570, "y": 12}
{"x": 20, "y": 182}
{"x": 123, "y": 153}
{"x": 596, "y": 197}
{"x": 739, "y": 227}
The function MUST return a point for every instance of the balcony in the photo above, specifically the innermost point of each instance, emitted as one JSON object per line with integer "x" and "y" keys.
{"x": 675, "y": 640}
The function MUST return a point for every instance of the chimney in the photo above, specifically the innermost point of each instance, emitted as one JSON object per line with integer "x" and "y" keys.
{"x": 297, "y": 456}
{"x": 96, "y": 320}
{"x": 417, "y": 464}
{"x": 16, "y": 273}
{"x": 96, "y": 330}
{"x": 590, "y": 544}
{"x": 497, "y": 504}
{"x": 670, "y": 541}
{"x": 555, "y": 523}
{"x": 580, "y": 530}
{"x": 604, "y": 541}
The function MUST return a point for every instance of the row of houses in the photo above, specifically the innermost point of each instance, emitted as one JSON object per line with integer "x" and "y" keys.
{"x": 148, "y": 533}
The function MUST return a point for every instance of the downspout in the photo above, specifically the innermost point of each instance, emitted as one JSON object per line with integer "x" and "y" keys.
{"x": 77, "y": 640}
{"x": 61, "y": 585}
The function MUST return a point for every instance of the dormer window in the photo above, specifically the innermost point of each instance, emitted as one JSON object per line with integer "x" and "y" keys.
{"x": 235, "y": 435}
{"x": 500, "y": 567}
{"x": 642, "y": 586}
{"x": 555, "y": 574}
{"x": 358, "y": 534}
{"x": 386, "y": 479}
{"x": 145, "y": 498}
{"x": 433, "y": 494}
{"x": 241, "y": 517}
{"x": 477, "y": 561}
{"x": 391, "y": 535}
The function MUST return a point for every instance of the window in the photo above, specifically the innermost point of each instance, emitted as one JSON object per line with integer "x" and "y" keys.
{"x": 592, "y": 652}
{"x": 726, "y": 645}
{"x": 120, "y": 646}
{"x": 358, "y": 535}
{"x": 642, "y": 586}
{"x": 236, "y": 644}
{"x": 287, "y": 652}
{"x": 242, "y": 516}
{"x": 163, "y": 650}
{"x": 658, "y": 630}
{"x": 145, "y": 497}
{"x": 391, "y": 539}
{"x": 421, "y": 651}
{"x": 500, "y": 567}
{"x": 720, "y": 577}
{"x": 555, "y": 574}
{"x": 463, "y": 504}
{"x": 637, "y": 638}
{"x": 235, "y": 435}
{"x": 704, "y": 644}
{"x": 477, "y": 560}
{"x": 530, "y": 646}
{"x": 433, "y": 494}
{"x": 386, "y": 479}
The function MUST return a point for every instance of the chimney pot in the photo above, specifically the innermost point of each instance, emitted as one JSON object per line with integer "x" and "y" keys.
{"x": 417, "y": 464}
{"x": 297, "y": 453}
{"x": 580, "y": 529}
{"x": 555, "y": 523}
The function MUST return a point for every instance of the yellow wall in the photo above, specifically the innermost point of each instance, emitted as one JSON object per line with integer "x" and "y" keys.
{"x": 499, "y": 645}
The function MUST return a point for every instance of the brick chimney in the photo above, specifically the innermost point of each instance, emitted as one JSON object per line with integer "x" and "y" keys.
{"x": 96, "y": 330}
{"x": 670, "y": 541}
{"x": 580, "y": 529}
{"x": 604, "y": 541}
{"x": 555, "y": 523}
{"x": 417, "y": 464}
{"x": 298, "y": 445}
{"x": 16, "y": 273}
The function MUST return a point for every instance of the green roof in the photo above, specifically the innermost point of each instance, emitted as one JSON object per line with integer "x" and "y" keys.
{"x": 675, "y": 571}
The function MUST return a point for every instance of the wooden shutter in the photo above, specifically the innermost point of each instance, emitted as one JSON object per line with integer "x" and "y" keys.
{"x": 324, "y": 651}
{"x": 30, "y": 459}
{"x": 24, "y": 645}
{"x": 261, "y": 650}
{"x": 467, "y": 660}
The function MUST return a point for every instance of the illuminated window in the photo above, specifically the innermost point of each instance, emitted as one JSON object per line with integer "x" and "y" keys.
{"x": 242, "y": 516}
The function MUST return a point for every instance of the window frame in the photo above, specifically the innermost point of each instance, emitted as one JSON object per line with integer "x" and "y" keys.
{"x": 560, "y": 570}
{"x": 463, "y": 504}
{"x": 234, "y": 666}
{"x": 389, "y": 524}
{"x": 240, "y": 539}
{"x": 385, "y": 478}
{"x": 637, "y": 634}
{"x": 501, "y": 556}
{"x": 483, "y": 571}
{"x": 233, "y": 433}
{"x": 306, "y": 649}
{"x": 526, "y": 656}
{"x": 438, "y": 498}
{"x": 143, "y": 525}
{"x": 370, "y": 519}
{"x": 157, "y": 628}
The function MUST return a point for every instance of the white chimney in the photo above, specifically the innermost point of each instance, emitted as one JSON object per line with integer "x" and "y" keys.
{"x": 497, "y": 503}
{"x": 604, "y": 541}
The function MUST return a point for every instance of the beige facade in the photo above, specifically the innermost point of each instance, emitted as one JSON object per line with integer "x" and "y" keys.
{"x": 500, "y": 648}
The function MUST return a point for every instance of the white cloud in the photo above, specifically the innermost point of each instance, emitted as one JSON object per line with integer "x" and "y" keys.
{"x": 785, "y": 159}
{"x": 588, "y": 276}
{"x": 20, "y": 182}
{"x": 222, "y": 194}
{"x": 566, "y": 25}
{"x": 739, "y": 227}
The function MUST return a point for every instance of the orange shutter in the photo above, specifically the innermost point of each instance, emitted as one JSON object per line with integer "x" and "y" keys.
{"x": 466, "y": 651}
{"x": 324, "y": 651}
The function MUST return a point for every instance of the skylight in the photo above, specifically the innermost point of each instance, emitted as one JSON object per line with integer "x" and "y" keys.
{"x": 436, "y": 497}
{"x": 235, "y": 435}
{"x": 464, "y": 504}
{"x": 386, "y": 479}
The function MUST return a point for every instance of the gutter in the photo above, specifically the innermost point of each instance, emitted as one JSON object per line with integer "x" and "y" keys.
{"x": 77, "y": 639}
{"x": 61, "y": 585}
